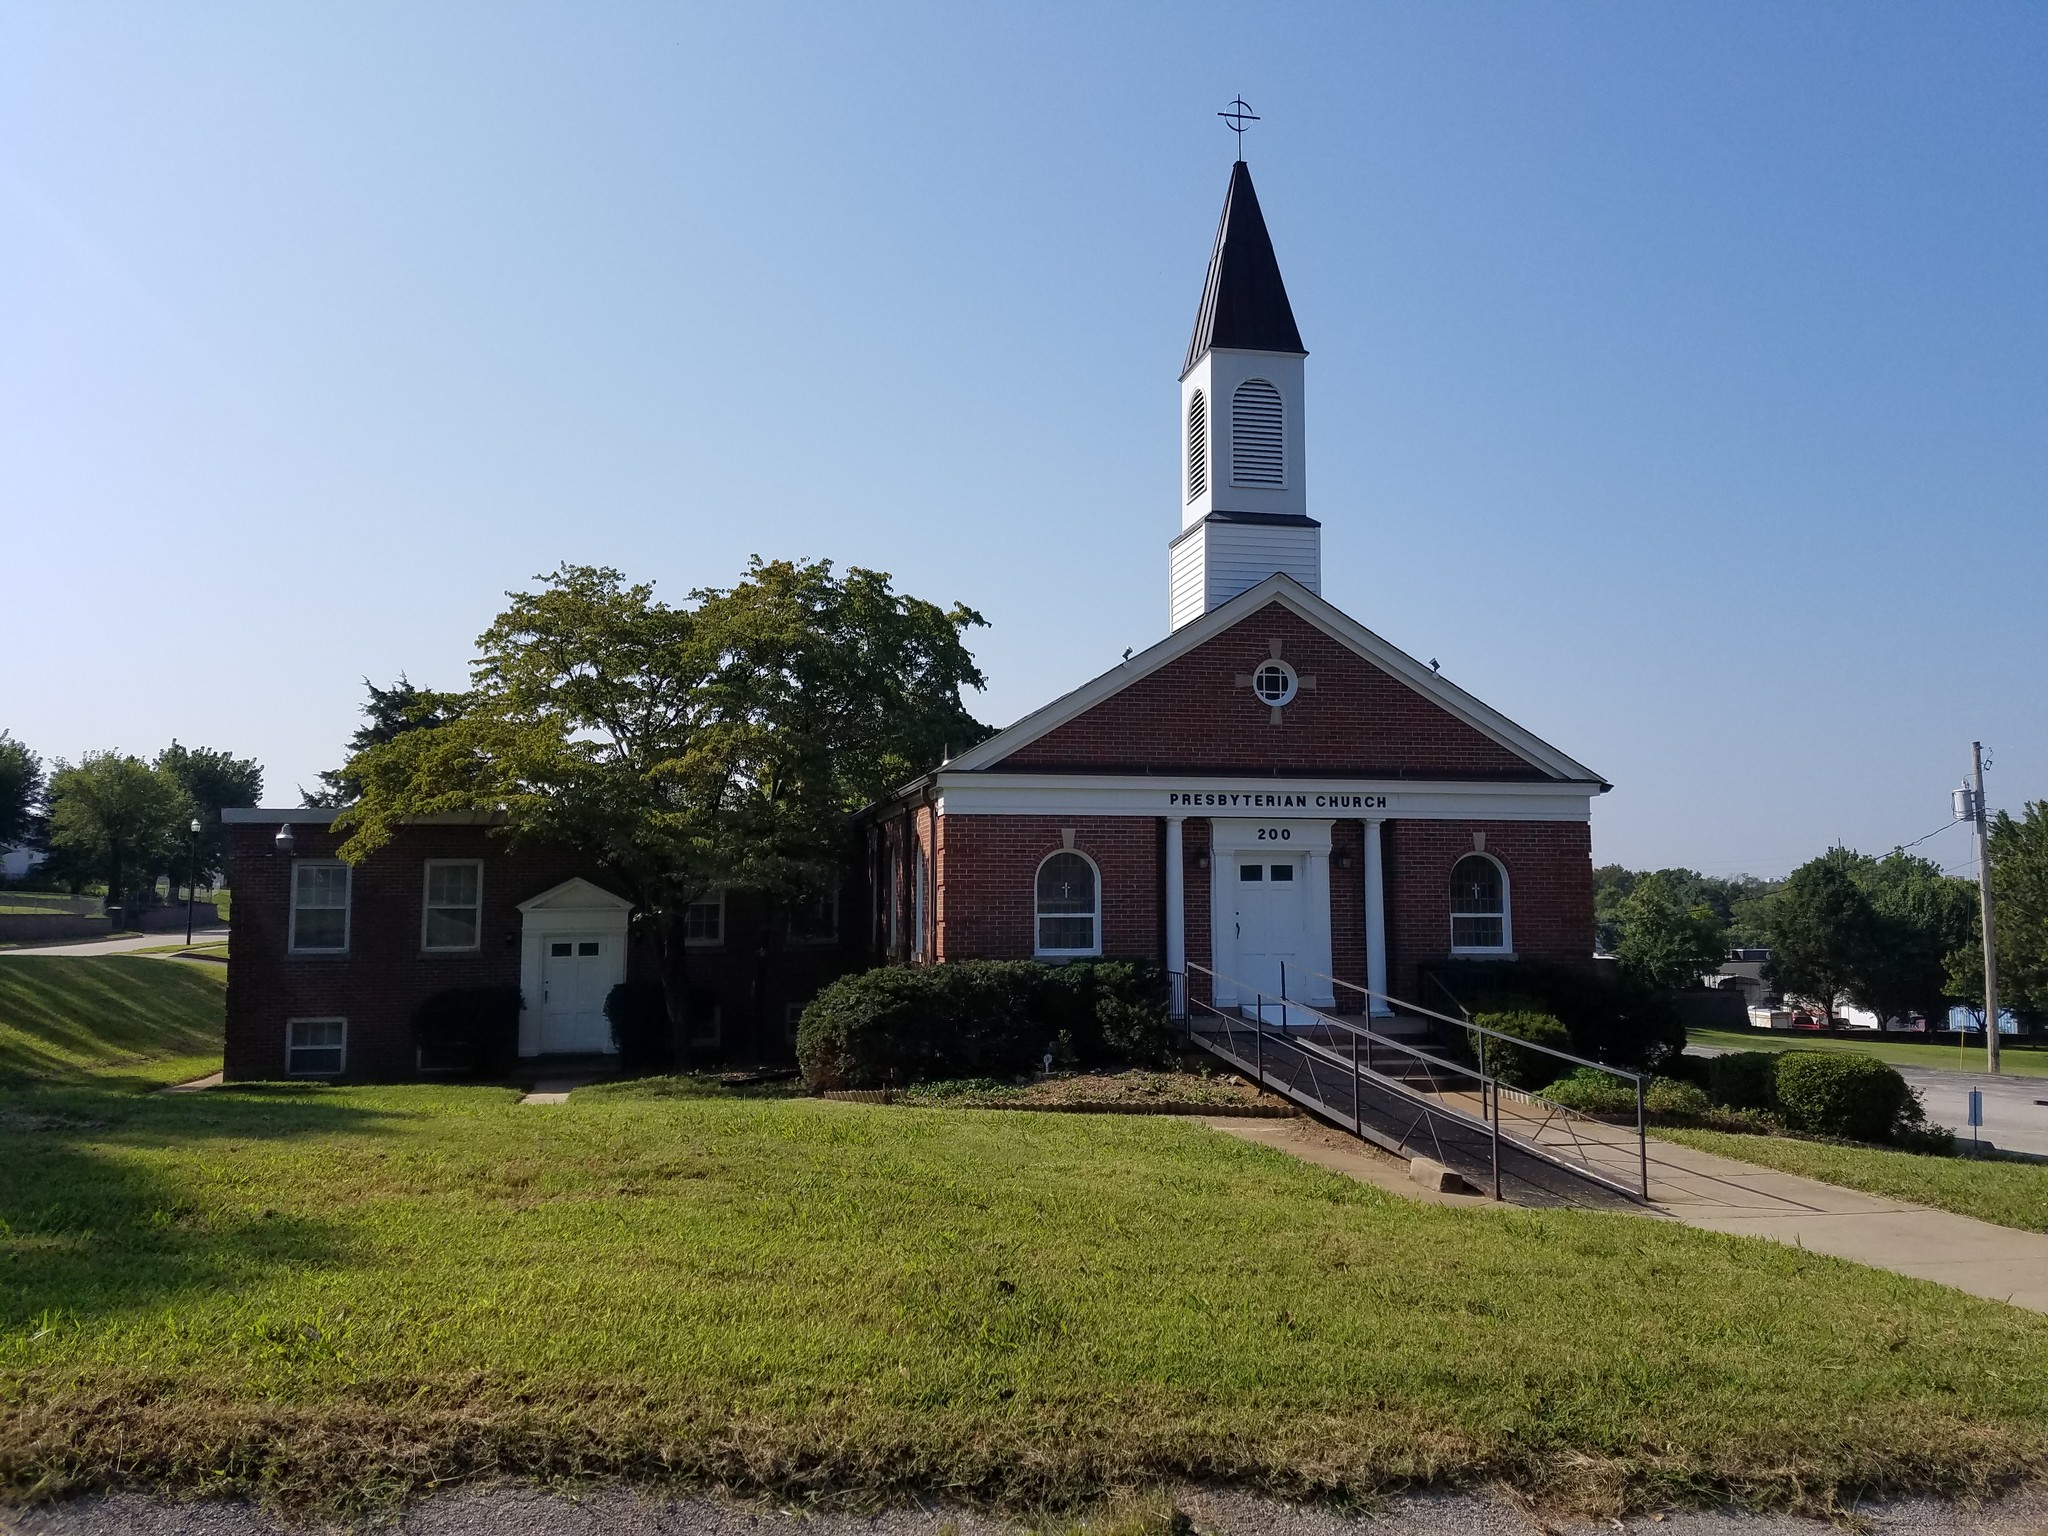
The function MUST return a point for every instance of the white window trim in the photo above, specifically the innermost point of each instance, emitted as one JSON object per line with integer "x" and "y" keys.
{"x": 426, "y": 891}
{"x": 1038, "y": 951}
{"x": 325, "y": 1018}
{"x": 920, "y": 896}
{"x": 714, "y": 943}
{"x": 1507, "y": 912}
{"x": 828, "y": 935}
{"x": 348, "y": 898}
{"x": 1293, "y": 682}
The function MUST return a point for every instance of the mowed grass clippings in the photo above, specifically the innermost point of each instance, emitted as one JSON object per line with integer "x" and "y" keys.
{"x": 120, "y": 1020}
{"x": 2011, "y": 1193}
{"x": 331, "y": 1297}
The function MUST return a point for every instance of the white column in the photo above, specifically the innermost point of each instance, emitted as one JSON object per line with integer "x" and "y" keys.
{"x": 1316, "y": 993}
{"x": 1176, "y": 899}
{"x": 1375, "y": 919}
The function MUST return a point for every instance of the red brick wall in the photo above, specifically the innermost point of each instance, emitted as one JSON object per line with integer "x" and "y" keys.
{"x": 385, "y": 975}
{"x": 989, "y": 867}
{"x": 1550, "y": 890}
{"x": 1357, "y": 721}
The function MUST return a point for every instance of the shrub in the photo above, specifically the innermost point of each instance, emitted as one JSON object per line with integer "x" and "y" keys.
{"x": 468, "y": 1030}
{"x": 1672, "y": 1098}
{"x": 1743, "y": 1079}
{"x": 980, "y": 1018}
{"x": 638, "y": 1014}
{"x": 1839, "y": 1093}
{"x": 1593, "y": 1092}
{"x": 1515, "y": 1065}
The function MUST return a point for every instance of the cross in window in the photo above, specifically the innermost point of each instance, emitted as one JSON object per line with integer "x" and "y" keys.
{"x": 1274, "y": 682}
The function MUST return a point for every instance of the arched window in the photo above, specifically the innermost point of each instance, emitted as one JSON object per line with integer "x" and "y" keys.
{"x": 1198, "y": 446}
{"x": 1069, "y": 906}
{"x": 1257, "y": 442}
{"x": 1479, "y": 906}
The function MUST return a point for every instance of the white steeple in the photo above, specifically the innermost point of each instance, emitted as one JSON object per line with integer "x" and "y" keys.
{"x": 1244, "y": 492}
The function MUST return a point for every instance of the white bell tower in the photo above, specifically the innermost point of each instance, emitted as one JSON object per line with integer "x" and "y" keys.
{"x": 1244, "y": 492}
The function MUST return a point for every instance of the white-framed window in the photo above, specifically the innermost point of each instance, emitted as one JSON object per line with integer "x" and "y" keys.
{"x": 1258, "y": 438}
{"x": 707, "y": 1027}
{"x": 704, "y": 921}
{"x": 1198, "y": 445}
{"x": 814, "y": 919}
{"x": 1068, "y": 906}
{"x": 454, "y": 905}
{"x": 1275, "y": 682}
{"x": 1480, "y": 920}
{"x": 315, "y": 1047}
{"x": 319, "y": 923}
{"x": 920, "y": 882}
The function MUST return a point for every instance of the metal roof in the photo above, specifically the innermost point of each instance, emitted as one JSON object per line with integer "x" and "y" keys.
{"x": 1244, "y": 302}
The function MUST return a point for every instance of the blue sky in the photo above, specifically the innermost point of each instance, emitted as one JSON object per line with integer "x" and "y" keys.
{"x": 1677, "y": 372}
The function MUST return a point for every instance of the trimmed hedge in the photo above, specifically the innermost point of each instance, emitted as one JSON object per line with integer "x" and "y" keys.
{"x": 981, "y": 1018}
{"x": 472, "y": 1030}
{"x": 1519, "y": 1067}
{"x": 1743, "y": 1079}
{"x": 1610, "y": 1017}
{"x": 1593, "y": 1092}
{"x": 1839, "y": 1093}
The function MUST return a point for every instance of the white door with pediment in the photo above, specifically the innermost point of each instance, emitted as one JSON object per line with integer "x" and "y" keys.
{"x": 1269, "y": 912}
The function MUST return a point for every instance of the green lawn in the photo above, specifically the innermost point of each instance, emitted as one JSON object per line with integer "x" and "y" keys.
{"x": 2019, "y": 1061}
{"x": 126, "y": 1021}
{"x": 2012, "y": 1194}
{"x": 330, "y": 1295}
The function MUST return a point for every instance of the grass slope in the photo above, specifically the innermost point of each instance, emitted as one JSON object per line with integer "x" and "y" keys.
{"x": 2028, "y": 1061}
{"x": 2011, "y": 1194}
{"x": 331, "y": 1295}
{"x": 127, "y": 1021}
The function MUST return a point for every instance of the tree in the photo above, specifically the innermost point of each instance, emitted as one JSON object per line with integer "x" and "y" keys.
{"x": 2019, "y": 911}
{"x": 212, "y": 781}
{"x": 389, "y": 714}
{"x": 686, "y": 749}
{"x": 116, "y": 816}
{"x": 1664, "y": 942}
{"x": 1823, "y": 930}
{"x": 1923, "y": 916}
{"x": 21, "y": 794}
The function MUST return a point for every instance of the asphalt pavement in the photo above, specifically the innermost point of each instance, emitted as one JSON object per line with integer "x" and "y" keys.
{"x": 123, "y": 945}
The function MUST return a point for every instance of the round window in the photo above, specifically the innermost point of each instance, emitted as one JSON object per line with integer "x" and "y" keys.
{"x": 1274, "y": 682}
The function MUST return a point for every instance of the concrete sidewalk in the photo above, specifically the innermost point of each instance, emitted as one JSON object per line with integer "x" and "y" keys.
{"x": 126, "y": 944}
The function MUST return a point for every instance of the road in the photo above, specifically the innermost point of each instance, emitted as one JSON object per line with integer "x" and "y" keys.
{"x": 2015, "y": 1108}
{"x": 124, "y": 945}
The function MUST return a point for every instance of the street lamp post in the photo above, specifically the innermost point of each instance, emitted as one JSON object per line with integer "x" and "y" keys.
{"x": 191, "y": 876}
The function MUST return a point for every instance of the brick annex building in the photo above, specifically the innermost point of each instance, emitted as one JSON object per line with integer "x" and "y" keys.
{"x": 1271, "y": 785}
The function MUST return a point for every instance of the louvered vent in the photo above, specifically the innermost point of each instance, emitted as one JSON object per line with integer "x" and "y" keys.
{"x": 1256, "y": 453}
{"x": 1198, "y": 446}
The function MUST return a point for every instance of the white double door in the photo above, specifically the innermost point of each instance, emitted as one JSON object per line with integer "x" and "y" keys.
{"x": 577, "y": 971}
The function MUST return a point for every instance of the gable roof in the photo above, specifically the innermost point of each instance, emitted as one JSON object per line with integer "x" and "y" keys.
{"x": 1244, "y": 302}
{"x": 575, "y": 894}
{"x": 1339, "y": 626}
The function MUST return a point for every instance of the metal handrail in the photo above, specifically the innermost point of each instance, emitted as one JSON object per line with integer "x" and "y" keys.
{"x": 1489, "y": 1086}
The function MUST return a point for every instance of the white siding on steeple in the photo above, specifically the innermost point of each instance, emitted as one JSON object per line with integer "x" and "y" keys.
{"x": 1274, "y": 402}
{"x": 1212, "y": 562}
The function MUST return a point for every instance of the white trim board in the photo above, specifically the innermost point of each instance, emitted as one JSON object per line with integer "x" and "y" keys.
{"x": 1042, "y": 794}
{"x": 1290, "y": 594}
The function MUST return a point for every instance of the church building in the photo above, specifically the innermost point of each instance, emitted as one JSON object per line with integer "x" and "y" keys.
{"x": 1270, "y": 786}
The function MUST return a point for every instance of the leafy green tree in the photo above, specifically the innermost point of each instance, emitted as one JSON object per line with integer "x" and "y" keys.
{"x": 1923, "y": 917}
{"x": 1823, "y": 930}
{"x": 388, "y": 714}
{"x": 212, "y": 781}
{"x": 2019, "y": 909}
{"x": 21, "y": 793}
{"x": 117, "y": 817}
{"x": 1664, "y": 941}
{"x": 685, "y": 749}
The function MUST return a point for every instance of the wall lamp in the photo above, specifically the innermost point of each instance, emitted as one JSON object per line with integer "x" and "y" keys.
{"x": 283, "y": 841}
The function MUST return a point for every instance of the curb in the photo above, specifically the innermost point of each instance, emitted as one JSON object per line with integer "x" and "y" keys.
{"x": 1170, "y": 1107}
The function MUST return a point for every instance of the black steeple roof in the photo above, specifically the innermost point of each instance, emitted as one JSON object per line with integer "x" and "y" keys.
{"x": 1244, "y": 303}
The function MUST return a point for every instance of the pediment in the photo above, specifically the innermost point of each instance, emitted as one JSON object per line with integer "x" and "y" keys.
{"x": 1183, "y": 706}
{"x": 576, "y": 895}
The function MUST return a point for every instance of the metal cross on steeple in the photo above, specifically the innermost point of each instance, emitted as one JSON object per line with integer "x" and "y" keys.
{"x": 1239, "y": 114}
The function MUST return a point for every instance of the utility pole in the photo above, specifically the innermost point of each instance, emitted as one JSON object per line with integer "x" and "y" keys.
{"x": 1984, "y": 903}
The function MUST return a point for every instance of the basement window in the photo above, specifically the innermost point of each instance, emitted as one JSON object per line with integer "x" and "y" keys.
{"x": 315, "y": 1047}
